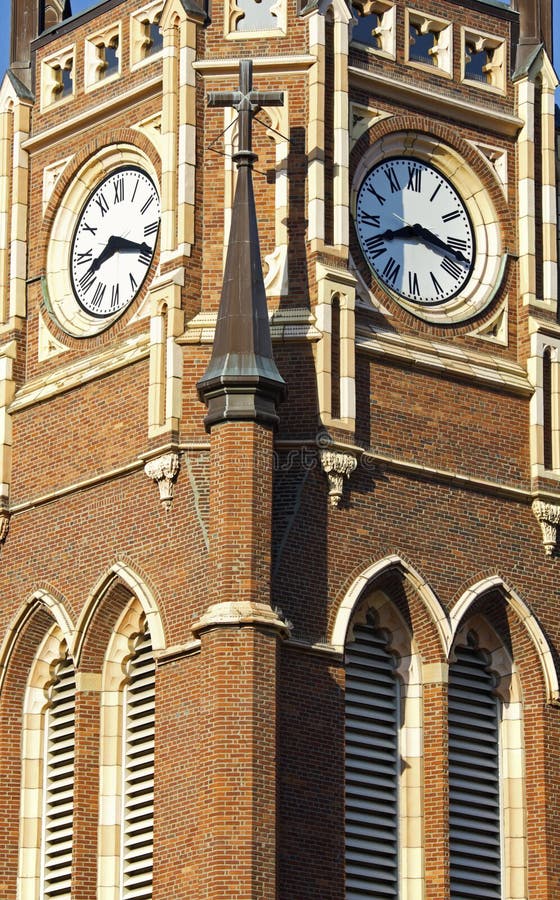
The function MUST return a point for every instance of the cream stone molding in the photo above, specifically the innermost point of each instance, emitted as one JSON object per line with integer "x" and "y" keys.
{"x": 164, "y": 470}
{"x": 336, "y": 292}
{"x": 337, "y": 466}
{"x": 492, "y": 370}
{"x": 99, "y": 113}
{"x": 51, "y": 175}
{"x": 434, "y": 101}
{"x": 81, "y": 371}
{"x": 166, "y": 359}
{"x": 151, "y": 128}
{"x": 235, "y": 614}
{"x": 497, "y": 158}
{"x": 285, "y": 325}
{"x": 48, "y": 345}
{"x": 362, "y": 118}
{"x": 548, "y": 517}
{"x": 495, "y": 330}
{"x": 267, "y": 65}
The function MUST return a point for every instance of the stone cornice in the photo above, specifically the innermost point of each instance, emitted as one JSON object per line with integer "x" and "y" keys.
{"x": 494, "y": 371}
{"x": 97, "y": 113}
{"x": 83, "y": 370}
{"x": 434, "y": 102}
{"x": 263, "y": 65}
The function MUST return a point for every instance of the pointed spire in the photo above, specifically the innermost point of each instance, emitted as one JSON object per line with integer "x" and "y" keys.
{"x": 242, "y": 381}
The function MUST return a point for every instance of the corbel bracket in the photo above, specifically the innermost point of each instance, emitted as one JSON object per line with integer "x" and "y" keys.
{"x": 163, "y": 470}
{"x": 548, "y": 516}
{"x": 337, "y": 466}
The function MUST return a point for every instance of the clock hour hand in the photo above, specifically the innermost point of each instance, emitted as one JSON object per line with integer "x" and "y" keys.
{"x": 389, "y": 234}
{"x": 115, "y": 244}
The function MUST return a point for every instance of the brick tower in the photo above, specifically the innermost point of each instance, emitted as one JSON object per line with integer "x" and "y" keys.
{"x": 280, "y": 451}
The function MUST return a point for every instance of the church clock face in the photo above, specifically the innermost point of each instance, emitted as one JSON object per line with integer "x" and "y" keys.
{"x": 103, "y": 240}
{"x": 114, "y": 242}
{"x": 414, "y": 231}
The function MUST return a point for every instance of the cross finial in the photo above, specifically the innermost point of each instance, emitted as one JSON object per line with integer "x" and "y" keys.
{"x": 247, "y": 102}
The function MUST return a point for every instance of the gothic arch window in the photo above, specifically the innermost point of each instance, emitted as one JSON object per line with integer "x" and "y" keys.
{"x": 383, "y": 754}
{"x": 486, "y": 786}
{"x": 127, "y": 761}
{"x": 45, "y": 864}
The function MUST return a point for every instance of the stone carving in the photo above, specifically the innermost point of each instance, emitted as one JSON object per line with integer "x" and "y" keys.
{"x": 337, "y": 466}
{"x": 548, "y": 515}
{"x": 4, "y": 525}
{"x": 163, "y": 470}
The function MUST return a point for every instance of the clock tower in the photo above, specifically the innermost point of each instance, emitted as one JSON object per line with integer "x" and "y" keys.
{"x": 279, "y": 451}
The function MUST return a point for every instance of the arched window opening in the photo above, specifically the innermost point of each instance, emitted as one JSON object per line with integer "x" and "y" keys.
{"x": 372, "y": 764}
{"x": 474, "y": 776}
{"x": 58, "y": 778}
{"x": 335, "y": 357}
{"x": 547, "y": 409}
{"x": 138, "y": 769}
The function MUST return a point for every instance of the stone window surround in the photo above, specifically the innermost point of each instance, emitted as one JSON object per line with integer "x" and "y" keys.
{"x": 148, "y": 13}
{"x": 484, "y": 41}
{"x": 233, "y": 14}
{"x": 93, "y": 61}
{"x": 443, "y": 44}
{"x": 50, "y": 83}
{"x": 386, "y": 32}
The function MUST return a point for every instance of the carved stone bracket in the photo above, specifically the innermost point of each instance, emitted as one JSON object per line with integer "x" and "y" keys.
{"x": 163, "y": 470}
{"x": 336, "y": 466}
{"x": 4, "y": 525}
{"x": 548, "y": 515}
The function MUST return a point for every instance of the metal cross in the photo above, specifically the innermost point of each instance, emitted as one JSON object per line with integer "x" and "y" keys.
{"x": 247, "y": 102}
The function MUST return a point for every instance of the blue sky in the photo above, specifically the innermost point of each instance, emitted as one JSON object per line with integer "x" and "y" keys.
{"x": 80, "y": 5}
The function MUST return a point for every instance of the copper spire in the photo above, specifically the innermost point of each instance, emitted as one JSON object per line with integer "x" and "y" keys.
{"x": 242, "y": 381}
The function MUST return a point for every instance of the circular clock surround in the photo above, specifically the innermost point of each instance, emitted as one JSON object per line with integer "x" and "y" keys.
{"x": 427, "y": 227}
{"x": 414, "y": 230}
{"x": 102, "y": 241}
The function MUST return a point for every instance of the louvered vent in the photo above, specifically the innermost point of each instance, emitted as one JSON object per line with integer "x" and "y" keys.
{"x": 139, "y": 773}
{"x": 372, "y": 757}
{"x": 59, "y": 783}
{"x": 474, "y": 785}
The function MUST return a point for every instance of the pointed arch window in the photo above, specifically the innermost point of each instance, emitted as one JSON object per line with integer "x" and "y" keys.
{"x": 372, "y": 765}
{"x": 47, "y": 803}
{"x": 486, "y": 769}
{"x": 474, "y": 776}
{"x": 138, "y": 770}
{"x": 127, "y": 761}
{"x": 383, "y": 769}
{"x": 58, "y": 778}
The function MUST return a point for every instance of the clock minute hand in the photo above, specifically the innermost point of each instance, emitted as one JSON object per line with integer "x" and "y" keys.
{"x": 431, "y": 238}
{"x": 122, "y": 243}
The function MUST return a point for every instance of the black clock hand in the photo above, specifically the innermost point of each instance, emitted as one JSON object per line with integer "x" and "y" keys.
{"x": 436, "y": 241}
{"x": 116, "y": 244}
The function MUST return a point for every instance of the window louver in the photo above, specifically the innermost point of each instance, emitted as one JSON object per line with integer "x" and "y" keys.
{"x": 59, "y": 784}
{"x": 372, "y": 758}
{"x": 137, "y": 849}
{"x": 474, "y": 786}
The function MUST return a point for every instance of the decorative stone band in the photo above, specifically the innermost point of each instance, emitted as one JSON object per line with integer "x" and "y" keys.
{"x": 337, "y": 466}
{"x": 163, "y": 470}
{"x": 548, "y": 515}
{"x": 239, "y": 613}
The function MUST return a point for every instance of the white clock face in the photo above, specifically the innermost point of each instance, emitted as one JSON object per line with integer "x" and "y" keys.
{"x": 414, "y": 231}
{"x": 114, "y": 242}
